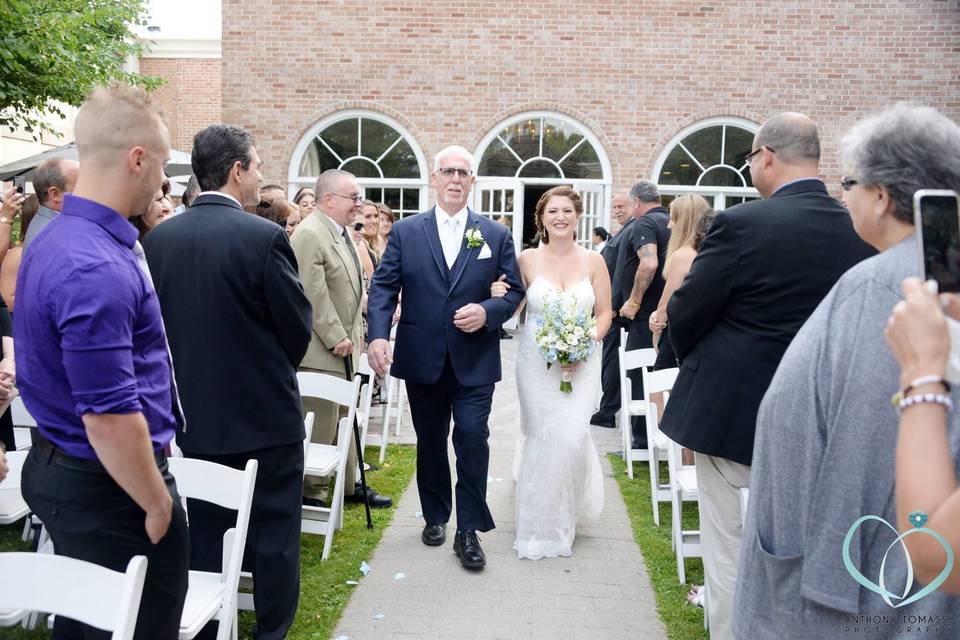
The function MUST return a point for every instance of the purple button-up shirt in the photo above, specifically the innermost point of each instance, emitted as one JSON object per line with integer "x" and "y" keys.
{"x": 88, "y": 329}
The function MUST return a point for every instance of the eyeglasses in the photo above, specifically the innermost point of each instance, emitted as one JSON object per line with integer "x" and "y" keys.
{"x": 847, "y": 183}
{"x": 358, "y": 226}
{"x": 748, "y": 159}
{"x": 449, "y": 172}
{"x": 357, "y": 198}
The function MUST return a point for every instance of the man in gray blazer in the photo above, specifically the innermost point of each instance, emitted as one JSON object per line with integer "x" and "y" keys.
{"x": 51, "y": 180}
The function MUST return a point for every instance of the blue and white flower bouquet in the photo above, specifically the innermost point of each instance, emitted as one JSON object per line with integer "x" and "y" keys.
{"x": 565, "y": 334}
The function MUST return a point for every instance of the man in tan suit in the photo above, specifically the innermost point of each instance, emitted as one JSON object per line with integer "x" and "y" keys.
{"x": 331, "y": 276}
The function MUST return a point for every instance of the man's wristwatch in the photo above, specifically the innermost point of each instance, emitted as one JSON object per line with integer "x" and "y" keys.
{"x": 6, "y": 220}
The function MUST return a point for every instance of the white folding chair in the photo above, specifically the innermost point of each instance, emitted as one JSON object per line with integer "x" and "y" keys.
{"x": 245, "y": 595}
{"x": 744, "y": 501}
{"x": 683, "y": 488}
{"x": 366, "y": 397}
{"x": 630, "y": 360}
{"x": 12, "y": 505}
{"x": 23, "y": 422}
{"x": 106, "y": 599}
{"x": 213, "y": 595}
{"x": 323, "y": 460}
{"x": 657, "y": 382}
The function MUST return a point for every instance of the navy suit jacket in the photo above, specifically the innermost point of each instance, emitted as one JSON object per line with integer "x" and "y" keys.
{"x": 413, "y": 261}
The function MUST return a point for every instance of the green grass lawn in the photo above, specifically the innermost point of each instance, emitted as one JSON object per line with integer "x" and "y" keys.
{"x": 323, "y": 589}
{"x": 683, "y": 621}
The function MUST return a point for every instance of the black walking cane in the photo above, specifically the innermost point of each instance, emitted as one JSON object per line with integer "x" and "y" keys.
{"x": 348, "y": 370}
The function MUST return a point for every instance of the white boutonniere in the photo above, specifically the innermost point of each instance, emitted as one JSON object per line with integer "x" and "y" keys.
{"x": 474, "y": 238}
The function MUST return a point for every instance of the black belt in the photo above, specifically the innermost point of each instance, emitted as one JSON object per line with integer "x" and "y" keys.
{"x": 50, "y": 452}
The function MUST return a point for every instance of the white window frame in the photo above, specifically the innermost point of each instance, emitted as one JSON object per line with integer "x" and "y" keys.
{"x": 605, "y": 182}
{"x": 719, "y": 194}
{"x": 295, "y": 181}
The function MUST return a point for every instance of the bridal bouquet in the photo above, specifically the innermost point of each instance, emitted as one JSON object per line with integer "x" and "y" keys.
{"x": 565, "y": 334}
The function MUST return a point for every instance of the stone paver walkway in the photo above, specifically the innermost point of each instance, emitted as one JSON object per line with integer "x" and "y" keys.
{"x": 601, "y": 592}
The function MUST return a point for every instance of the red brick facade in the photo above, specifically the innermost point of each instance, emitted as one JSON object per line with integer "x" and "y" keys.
{"x": 634, "y": 73}
{"x": 191, "y": 97}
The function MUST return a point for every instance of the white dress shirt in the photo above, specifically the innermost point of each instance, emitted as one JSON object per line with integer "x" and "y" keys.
{"x": 219, "y": 193}
{"x": 451, "y": 230}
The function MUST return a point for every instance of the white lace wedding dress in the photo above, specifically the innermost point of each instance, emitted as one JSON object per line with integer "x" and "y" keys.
{"x": 556, "y": 468}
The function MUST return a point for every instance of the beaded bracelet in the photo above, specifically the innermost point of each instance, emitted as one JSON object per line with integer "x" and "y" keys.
{"x": 926, "y": 398}
{"x": 922, "y": 380}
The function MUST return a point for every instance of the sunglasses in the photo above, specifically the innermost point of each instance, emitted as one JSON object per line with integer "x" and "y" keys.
{"x": 358, "y": 226}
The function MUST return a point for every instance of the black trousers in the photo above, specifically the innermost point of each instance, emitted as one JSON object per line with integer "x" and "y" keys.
{"x": 89, "y": 517}
{"x": 431, "y": 406}
{"x": 272, "y": 553}
{"x": 639, "y": 336}
{"x": 610, "y": 372}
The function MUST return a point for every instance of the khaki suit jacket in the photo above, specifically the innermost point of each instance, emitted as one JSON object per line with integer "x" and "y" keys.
{"x": 333, "y": 285}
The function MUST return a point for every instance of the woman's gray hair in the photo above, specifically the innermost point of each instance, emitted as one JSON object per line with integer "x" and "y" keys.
{"x": 904, "y": 148}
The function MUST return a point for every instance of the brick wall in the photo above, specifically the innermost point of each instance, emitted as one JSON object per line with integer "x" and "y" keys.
{"x": 635, "y": 73}
{"x": 191, "y": 96}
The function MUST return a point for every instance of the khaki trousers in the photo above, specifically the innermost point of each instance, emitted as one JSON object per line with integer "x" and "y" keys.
{"x": 326, "y": 415}
{"x": 721, "y": 531}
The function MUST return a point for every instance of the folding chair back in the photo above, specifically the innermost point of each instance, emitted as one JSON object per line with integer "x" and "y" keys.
{"x": 630, "y": 360}
{"x": 108, "y": 600}
{"x": 213, "y": 596}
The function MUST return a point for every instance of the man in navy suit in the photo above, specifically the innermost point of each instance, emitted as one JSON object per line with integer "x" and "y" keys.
{"x": 448, "y": 343}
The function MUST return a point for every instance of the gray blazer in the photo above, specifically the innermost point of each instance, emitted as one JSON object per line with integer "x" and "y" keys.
{"x": 43, "y": 217}
{"x": 823, "y": 457}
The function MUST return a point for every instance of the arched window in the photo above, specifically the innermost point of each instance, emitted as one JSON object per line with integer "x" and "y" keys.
{"x": 387, "y": 161}
{"x": 708, "y": 158}
{"x": 544, "y": 147}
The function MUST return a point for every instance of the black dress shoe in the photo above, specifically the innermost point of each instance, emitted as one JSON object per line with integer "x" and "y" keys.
{"x": 601, "y": 420}
{"x": 466, "y": 545}
{"x": 375, "y": 500}
{"x": 434, "y": 535}
{"x": 314, "y": 502}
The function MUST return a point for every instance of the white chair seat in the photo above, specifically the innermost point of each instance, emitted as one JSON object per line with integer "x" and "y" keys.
{"x": 12, "y": 505}
{"x": 321, "y": 460}
{"x": 687, "y": 480}
{"x": 637, "y": 407}
{"x": 10, "y": 617}
{"x": 204, "y": 599}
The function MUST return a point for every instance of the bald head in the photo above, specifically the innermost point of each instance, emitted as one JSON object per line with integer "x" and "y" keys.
{"x": 114, "y": 120}
{"x": 792, "y": 137}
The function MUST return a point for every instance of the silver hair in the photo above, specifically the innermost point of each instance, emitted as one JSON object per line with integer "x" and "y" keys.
{"x": 449, "y": 151}
{"x": 328, "y": 180}
{"x": 902, "y": 149}
{"x": 645, "y": 191}
{"x": 792, "y": 136}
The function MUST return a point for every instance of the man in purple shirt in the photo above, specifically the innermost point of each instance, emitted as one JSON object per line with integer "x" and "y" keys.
{"x": 95, "y": 372}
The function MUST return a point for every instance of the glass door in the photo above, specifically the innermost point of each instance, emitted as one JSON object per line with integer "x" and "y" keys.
{"x": 501, "y": 200}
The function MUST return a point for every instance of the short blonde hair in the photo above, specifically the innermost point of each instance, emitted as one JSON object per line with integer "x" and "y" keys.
{"x": 115, "y": 118}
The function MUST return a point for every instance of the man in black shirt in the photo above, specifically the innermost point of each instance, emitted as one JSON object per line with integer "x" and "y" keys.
{"x": 643, "y": 255}
{"x": 610, "y": 368}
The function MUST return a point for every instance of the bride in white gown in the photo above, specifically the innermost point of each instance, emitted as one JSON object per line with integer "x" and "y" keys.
{"x": 556, "y": 468}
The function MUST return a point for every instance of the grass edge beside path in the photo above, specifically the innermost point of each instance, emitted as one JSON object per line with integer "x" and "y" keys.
{"x": 324, "y": 593}
{"x": 682, "y": 621}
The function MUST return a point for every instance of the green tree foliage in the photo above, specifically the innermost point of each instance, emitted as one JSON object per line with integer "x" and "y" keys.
{"x": 56, "y": 51}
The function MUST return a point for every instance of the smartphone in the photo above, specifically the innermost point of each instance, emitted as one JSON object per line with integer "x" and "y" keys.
{"x": 936, "y": 217}
{"x": 20, "y": 183}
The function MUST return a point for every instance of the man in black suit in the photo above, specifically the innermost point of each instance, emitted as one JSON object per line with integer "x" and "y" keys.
{"x": 762, "y": 270}
{"x": 609, "y": 365}
{"x": 238, "y": 323}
